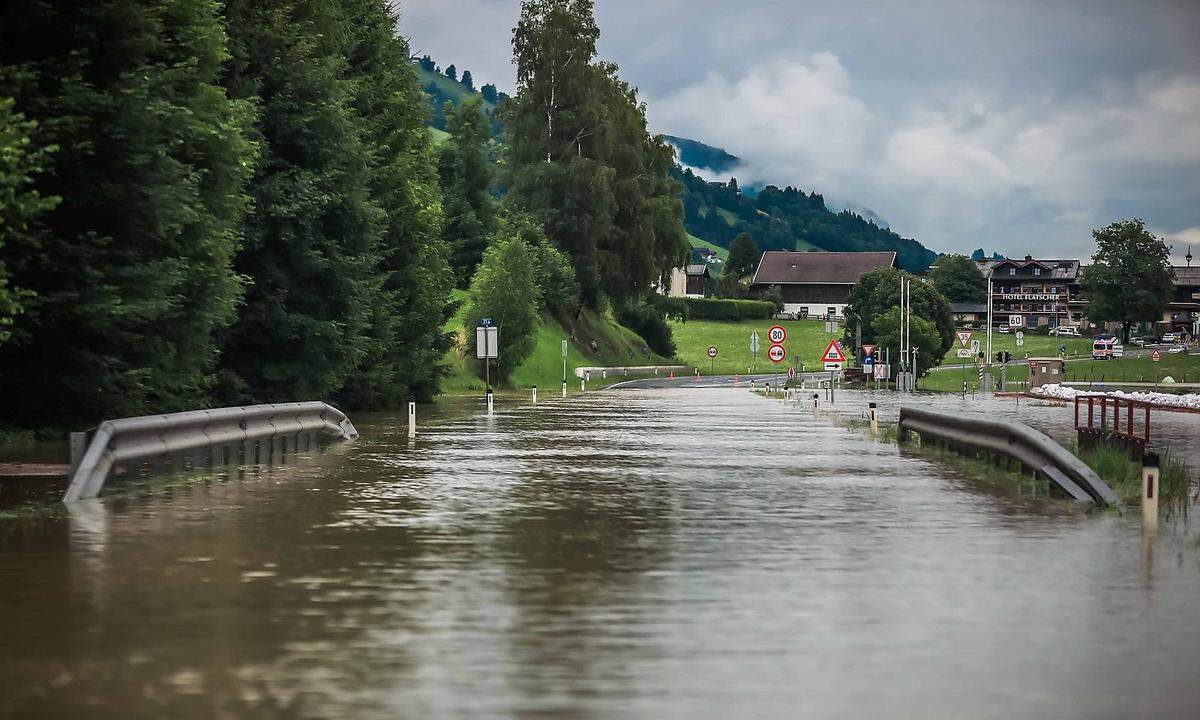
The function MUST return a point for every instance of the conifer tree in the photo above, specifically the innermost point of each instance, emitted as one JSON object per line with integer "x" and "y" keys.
{"x": 129, "y": 276}
{"x": 466, "y": 177}
{"x": 313, "y": 243}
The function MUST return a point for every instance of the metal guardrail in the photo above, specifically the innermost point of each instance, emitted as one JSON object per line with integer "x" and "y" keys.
{"x": 597, "y": 372}
{"x": 1014, "y": 440}
{"x": 229, "y": 434}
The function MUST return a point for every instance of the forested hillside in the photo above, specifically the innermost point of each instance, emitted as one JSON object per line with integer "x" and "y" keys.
{"x": 787, "y": 219}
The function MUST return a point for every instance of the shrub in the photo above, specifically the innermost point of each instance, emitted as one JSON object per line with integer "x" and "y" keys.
{"x": 712, "y": 309}
{"x": 673, "y": 308}
{"x": 648, "y": 322}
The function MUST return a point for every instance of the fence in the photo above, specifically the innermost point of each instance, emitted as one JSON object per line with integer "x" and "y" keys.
{"x": 216, "y": 437}
{"x": 1012, "y": 440}
{"x": 1129, "y": 436}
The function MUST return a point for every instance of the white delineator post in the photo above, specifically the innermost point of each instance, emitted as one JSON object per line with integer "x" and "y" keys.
{"x": 1150, "y": 491}
{"x": 564, "y": 388}
{"x": 412, "y": 418}
{"x": 490, "y": 403}
{"x": 874, "y": 419}
{"x": 535, "y": 394}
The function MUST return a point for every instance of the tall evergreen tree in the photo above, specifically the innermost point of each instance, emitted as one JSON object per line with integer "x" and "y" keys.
{"x": 406, "y": 336}
{"x": 130, "y": 274}
{"x": 468, "y": 81}
{"x": 312, "y": 247}
{"x": 582, "y": 160}
{"x": 743, "y": 256}
{"x": 466, "y": 177}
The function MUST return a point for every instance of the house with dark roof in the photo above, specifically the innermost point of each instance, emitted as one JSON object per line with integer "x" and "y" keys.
{"x": 1041, "y": 292}
{"x": 969, "y": 312}
{"x": 1183, "y": 313}
{"x": 816, "y": 284}
{"x": 690, "y": 281}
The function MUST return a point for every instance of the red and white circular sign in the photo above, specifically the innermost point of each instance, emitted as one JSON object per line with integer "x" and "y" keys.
{"x": 776, "y": 354}
{"x": 712, "y": 351}
{"x": 777, "y": 334}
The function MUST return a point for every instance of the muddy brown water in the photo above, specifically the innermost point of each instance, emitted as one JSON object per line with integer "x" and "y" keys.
{"x": 689, "y": 554}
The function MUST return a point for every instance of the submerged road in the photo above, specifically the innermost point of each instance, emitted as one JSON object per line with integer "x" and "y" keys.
{"x": 696, "y": 553}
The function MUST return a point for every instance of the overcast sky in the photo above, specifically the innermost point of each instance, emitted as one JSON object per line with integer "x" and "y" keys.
{"x": 1015, "y": 126}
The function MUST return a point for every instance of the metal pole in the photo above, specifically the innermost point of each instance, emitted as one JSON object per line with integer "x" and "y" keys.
{"x": 988, "y": 359}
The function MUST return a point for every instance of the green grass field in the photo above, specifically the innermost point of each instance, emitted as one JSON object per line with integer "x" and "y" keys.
{"x": 805, "y": 343}
{"x": 1035, "y": 346}
{"x": 438, "y": 136}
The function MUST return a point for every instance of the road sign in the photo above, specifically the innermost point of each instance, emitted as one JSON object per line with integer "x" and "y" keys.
{"x": 1155, "y": 355}
{"x": 486, "y": 322}
{"x": 964, "y": 337}
{"x": 882, "y": 372}
{"x": 868, "y": 351}
{"x": 833, "y": 367}
{"x": 831, "y": 327}
{"x": 564, "y": 349}
{"x": 712, "y": 351}
{"x": 833, "y": 353}
{"x": 975, "y": 346}
{"x": 1020, "y": 339}
{"x": 965, "y": 353}
{"x": 754, "y": 342}
{"x": 868, "y": 361}
{"x": 777, "y": 334}
{"x": 1016, "y": 321}
{"x": 791, "y": 373}
{"x": 487, "y": 342}
{"x": 776, "y": 354}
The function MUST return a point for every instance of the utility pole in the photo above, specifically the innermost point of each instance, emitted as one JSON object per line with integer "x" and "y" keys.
{"x": 989, "y": 323}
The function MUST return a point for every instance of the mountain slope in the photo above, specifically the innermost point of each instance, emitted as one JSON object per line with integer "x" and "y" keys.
{"x": 787, "y": 219}
{"x": 693, "y": 153}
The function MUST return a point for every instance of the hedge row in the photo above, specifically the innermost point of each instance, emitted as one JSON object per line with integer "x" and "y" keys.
{"x": 714, "y": 309}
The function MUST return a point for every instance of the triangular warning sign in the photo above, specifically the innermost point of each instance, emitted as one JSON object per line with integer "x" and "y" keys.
{"x": 964, "y": 337}
{"x": 833, "y": 353}
{"x": 867, "y": 350}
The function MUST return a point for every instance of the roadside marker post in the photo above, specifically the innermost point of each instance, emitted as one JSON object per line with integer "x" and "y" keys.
{"x": 1150, "y": 492}
{"x": 535, "y": 394}
{"x": 412, "y": 417}
{"x": 871, "y": 408}
{"x": 490, "y": 403}
{"x": 564, "y": 388}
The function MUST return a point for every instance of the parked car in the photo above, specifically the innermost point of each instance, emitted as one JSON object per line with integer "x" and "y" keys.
{"x": 968, "y": 326}
{"x": 1066, "y": 331}
{"x": 1004, "y": 329}
{"x": 1102, "y": 349}
{"x": 1138, "y": 341}
{"x": 1169, "y": 338}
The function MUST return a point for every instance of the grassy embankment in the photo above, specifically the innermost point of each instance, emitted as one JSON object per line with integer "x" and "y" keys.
{"x": 805, "y": 343}
{"x": 615, "y": 346}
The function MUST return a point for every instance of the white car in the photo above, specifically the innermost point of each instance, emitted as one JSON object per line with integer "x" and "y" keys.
{"x": 1066, "y": 331}
{"x": 1004, "y": 329}
{"x": 1169, "y": 338}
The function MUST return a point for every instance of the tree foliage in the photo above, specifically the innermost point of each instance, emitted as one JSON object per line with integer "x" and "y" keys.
{"x": 130, "y": 276}
{"x": 923, "y": 334}
{"x": 20, "y": 202}
{"x": 582, "y": 160}
{"x": 1130, "y": 279}
{"x": 505, "y": 289}
{"x": 466, "y": 177}
{"x": 878, "y": 291}
{"x": 743, "y": 256}
{"x": 959, "y": 280}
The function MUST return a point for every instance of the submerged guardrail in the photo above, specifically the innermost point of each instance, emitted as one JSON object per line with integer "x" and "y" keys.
{"x": 226, "y": 434}
{"x": 1014, "y": 440}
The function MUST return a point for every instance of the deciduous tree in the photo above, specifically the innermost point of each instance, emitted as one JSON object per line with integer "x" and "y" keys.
{"x": 959, "y": 279}
{"x": 1130, "y": 279}
{"x": 743, "y": 256}
{"x": 878, "y": 291}
{"x": 505, "y": 289}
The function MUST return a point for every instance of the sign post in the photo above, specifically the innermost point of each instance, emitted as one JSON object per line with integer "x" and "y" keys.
{"x": 712, "y": 359}
{"x": 564, "y": 359}
{"x": 487, "y": 347}
{"x": 754, "y": 346}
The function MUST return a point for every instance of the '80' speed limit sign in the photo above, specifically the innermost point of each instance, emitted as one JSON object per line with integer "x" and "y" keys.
{"x": 777, "y": 334}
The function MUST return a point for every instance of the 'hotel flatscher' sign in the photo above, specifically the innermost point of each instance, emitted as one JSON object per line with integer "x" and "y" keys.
{"x": 1031, "y": 296}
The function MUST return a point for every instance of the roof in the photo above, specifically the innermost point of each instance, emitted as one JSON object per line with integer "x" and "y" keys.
{"x": 962, "y": 308}
{"x": 1187, "y": 275}
{"x": 1059, "y": 269}
{"x": 781, "y": 267}
{"x": 697, "y": 270}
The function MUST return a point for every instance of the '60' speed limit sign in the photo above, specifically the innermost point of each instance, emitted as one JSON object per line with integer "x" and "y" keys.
{"x": 777, "y": 334}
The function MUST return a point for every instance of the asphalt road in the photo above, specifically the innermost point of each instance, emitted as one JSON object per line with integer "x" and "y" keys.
{"x": 704, "y": 381}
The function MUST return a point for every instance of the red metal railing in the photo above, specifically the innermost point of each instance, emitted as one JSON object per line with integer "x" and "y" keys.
{"x": 1090, "y": 435}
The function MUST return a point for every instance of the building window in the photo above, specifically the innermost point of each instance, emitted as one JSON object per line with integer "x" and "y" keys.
{"x": 1012, "y": 271}
{"x": 1037, "y": 271}
{"x": 832, "y": 311}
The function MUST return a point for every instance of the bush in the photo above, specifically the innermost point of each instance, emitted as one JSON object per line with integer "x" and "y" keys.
{"x": 648, "y": 322}
{"x": 711, "y": 309}
{"x": 673, "y": 308}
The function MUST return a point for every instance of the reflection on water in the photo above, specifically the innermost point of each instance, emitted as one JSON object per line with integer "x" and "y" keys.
{"x": 656, "y": 554}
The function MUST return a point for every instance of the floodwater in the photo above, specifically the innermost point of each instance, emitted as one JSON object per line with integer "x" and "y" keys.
{"x": 658, "y": 554}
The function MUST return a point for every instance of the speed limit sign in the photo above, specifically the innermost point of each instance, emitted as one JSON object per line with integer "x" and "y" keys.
{"x": 777, "y": 334}
{"x": 776, "y": 354}
{"x": 712, "y": 351}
